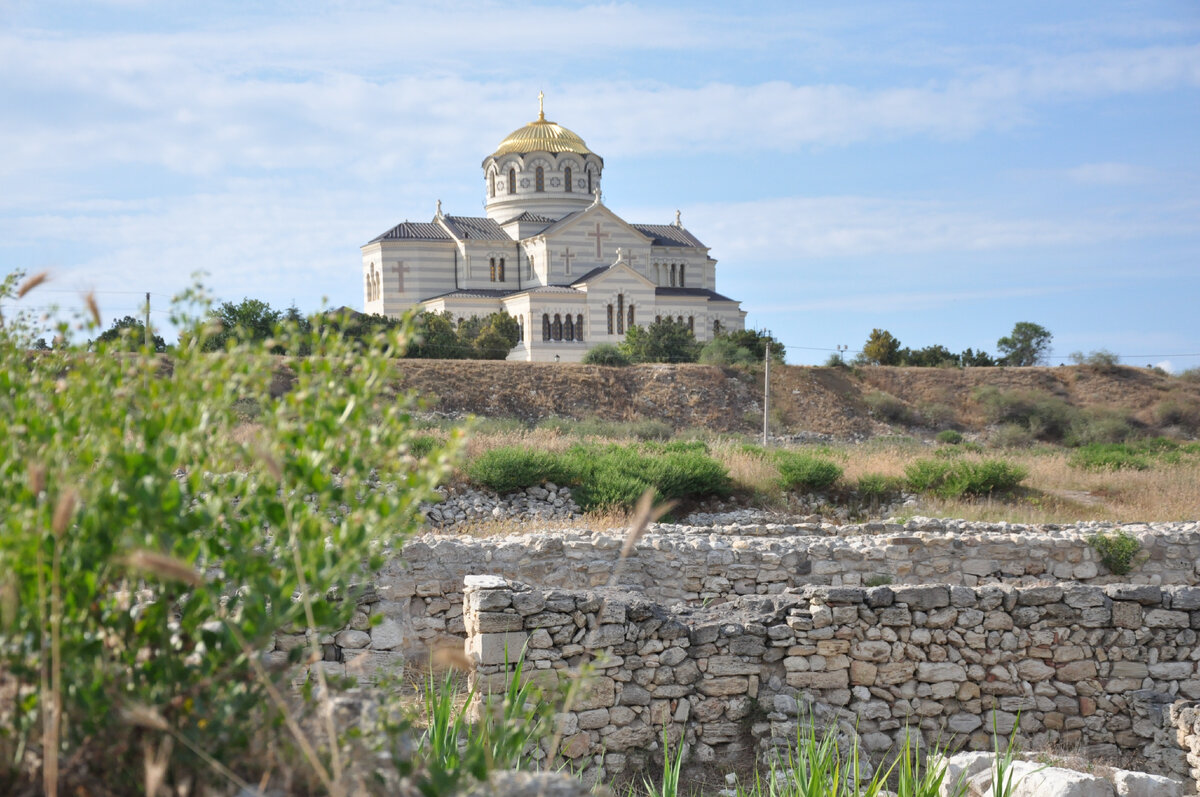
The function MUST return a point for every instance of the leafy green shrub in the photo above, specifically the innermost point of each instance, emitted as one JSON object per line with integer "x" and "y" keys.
{"x": 1102, "y": 360}
{"x": 878, "y": 486}
{"x": 949, "y": 437}
{"x": 1046, "y": 417}
{"x": 889, "y": 408}
{"x": 421, "y": 445}
{"x": 1011, "y": 435}
{"x": 955, "y": 479}
{"x": 606, "y": 354}
{"x": 616, "y": 476}
{"x": 647, "y": 429}
{"x": 1098, "y": 426}
{"x": 153, "y": 552}
{"x": 1179, "y": 410}
{"x": 723, "y": 351}
{"x": 798, "y": 471}
{"x": 515, "y": 468}
{"x": 1117, "y": 551}
{"x": 936, "y": 414}
{"x": 1108, "y": 456}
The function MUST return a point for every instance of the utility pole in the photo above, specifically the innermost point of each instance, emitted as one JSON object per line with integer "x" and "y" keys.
{"x": 766, "y": 392}
{"x": 147, "y": 330}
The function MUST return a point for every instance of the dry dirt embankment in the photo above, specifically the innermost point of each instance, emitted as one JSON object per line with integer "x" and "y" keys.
{"x": 829, "y": 401}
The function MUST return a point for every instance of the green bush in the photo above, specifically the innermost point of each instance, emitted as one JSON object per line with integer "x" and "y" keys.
{"x": 1099, "y": 427}
{"x": 422, "y": 445}
{"x": 1108, "y": 456}
{"x": 1046, "y": 417}
{"x": 1117, "y": 551}
{"x": 799, "y": 471}
{"x": 936, "y": 414}
{"x": 514, "y": 468}
{"x": 1180, "y": 410}
{"x": 950, "y": 437}
{"x": 606, "y": 354}
{"x": 877, "y": 485}
{"x": 889, "y": 408}
{"x": 1011, "y": 435}
{"x": 149, "y": 552}
{"x": 647, "y": 429}
{"x": 616, "y": 476}
{"x": 723, "y": 351}
{"x": 955, "y": 479}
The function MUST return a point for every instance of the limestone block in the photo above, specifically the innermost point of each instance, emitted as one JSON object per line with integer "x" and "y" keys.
{"x": 922, "y": 597}
{"x": 1034, "y": 670}
{"x": 1126, "y": 614}
{"x": 1033, "y": 780}
{"x": 732, "y": 665}
{"x": 495, "y": 622}
{"x": 961, "y": 768}
{"x": 838, "y": 679}
{"x": 1140, "y": 784}
{"x": 871, "y": 650}
{"x": 489, "y": 649}
{"x": 1172, "y": 670}
{"x": 387, "y": 635}
{"x": 1129, "y": 669}
{"x": 1144, "y": 594}
{"x": 596, "y": 691}
{"x": 723, "y": 687}
{"x": 628, "y": 738}
{"x": 604, "y": 636}
{"x": 593, "y": 719}
{"x": 352, "y": 639}
{"x": 863, "y": 673}
{"x": 576, "y": 746}
{"x": 1165, "y": 618}
{"x": 897, "y": 672}
{"x": 930, "y": 672}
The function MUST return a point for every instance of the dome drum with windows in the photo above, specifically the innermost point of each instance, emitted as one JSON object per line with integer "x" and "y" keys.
{"x": 549, "y": 253}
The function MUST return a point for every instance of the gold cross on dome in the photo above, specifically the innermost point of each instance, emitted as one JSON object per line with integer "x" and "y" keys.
{"x": 541, "y": 110}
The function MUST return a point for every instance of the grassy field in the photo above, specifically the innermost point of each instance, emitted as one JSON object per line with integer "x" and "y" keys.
{"x": 1139, "y": 486}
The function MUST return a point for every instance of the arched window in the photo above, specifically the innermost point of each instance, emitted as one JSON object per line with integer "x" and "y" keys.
{"x": 672, "y": 275}
{"x": 590, "y": 191}
{"x": 692, "y": 325}
{"x": 492, "y": 184}
{"x": 682, "y": 281}
{"x": 610, "y": 320}
{"x": 579, "y": 327}
{"x": 631, "y": 315}
{"x": 545, "y": 326}
{"x": 520, "y": 328}
{"x": 679, "y": 320}
{"x": 716, "y": 326}
{"x": 501, "y": 269}
{"x": 569, "y": 328}
{"x": 557, "y": 326}
{"x": 567, "y": 178}
{"x": 620, "y": 314}
{"x": 512, "y": 181}
{"x": 657, "y": 319}
{"x": 492, "y": 262}
{"x": 539, "y": 179}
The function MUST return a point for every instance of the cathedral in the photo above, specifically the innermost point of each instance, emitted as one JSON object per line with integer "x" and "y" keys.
{"x": 549, "y": 253}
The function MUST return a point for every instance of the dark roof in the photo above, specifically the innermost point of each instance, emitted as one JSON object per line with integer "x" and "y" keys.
{"x": 476, "y": 227}
{"x": 534, "y": 217}
{"x": 704, "y": 293}
{"x": 473, "y": 293}
{"x": 594, "y": 272}
{"x": 563, "y": 221}
{"x": 668, "y": 235}
{"x": 413, "y": 231}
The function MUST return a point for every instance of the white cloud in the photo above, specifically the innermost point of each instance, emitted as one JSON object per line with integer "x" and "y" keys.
{"x": 1166, "y": 365}
{"x": 1109, "y": 174}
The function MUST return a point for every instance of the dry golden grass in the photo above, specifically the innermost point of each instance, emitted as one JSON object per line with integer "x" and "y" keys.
{"x": 1054, "y": 492}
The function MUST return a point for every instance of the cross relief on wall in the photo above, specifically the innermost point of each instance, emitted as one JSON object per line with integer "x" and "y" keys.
{"x": 400, "y": 270}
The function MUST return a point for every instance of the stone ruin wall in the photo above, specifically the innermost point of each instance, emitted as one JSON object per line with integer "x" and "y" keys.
{"x": 418, "y": 600}
{"x": 1103, "y": 669}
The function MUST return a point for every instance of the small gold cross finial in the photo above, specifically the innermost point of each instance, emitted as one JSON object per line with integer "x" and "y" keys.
{"x": 541, "y": 110}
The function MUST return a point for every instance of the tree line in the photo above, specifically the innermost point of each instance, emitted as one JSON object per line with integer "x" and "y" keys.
{"x": 1027, "y": 344}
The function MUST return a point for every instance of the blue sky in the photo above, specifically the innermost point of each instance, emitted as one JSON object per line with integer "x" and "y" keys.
{"x": 940, "y": 170}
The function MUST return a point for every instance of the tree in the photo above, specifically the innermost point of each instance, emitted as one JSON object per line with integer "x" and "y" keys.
{"x": 1026, "y": 345}
{"x": 605, "y": 354}
{"x": 664, "y": 341}
{"x": 723, "y": 351}
{"x": 881, "y": 348}
{"x": 755, "y": 342}
{"x": 934, "y": 356}
{"x": 249, "y": 320}
{"x": 976, "y": 359}
{"x": 128, "y": 334}
{"x": 491, "y": 337}
{"x": 434, "y": 338}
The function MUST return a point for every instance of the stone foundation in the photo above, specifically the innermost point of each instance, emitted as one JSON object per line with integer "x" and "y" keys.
{"x": 418, "y": 595}
{"x": 1086, "y": 667}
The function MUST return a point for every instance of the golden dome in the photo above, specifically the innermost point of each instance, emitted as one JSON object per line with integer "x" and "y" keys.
{"x": 541, "y": 135}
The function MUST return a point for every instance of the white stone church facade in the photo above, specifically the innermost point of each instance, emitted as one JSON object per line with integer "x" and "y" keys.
{"x": 573, "y": 273}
